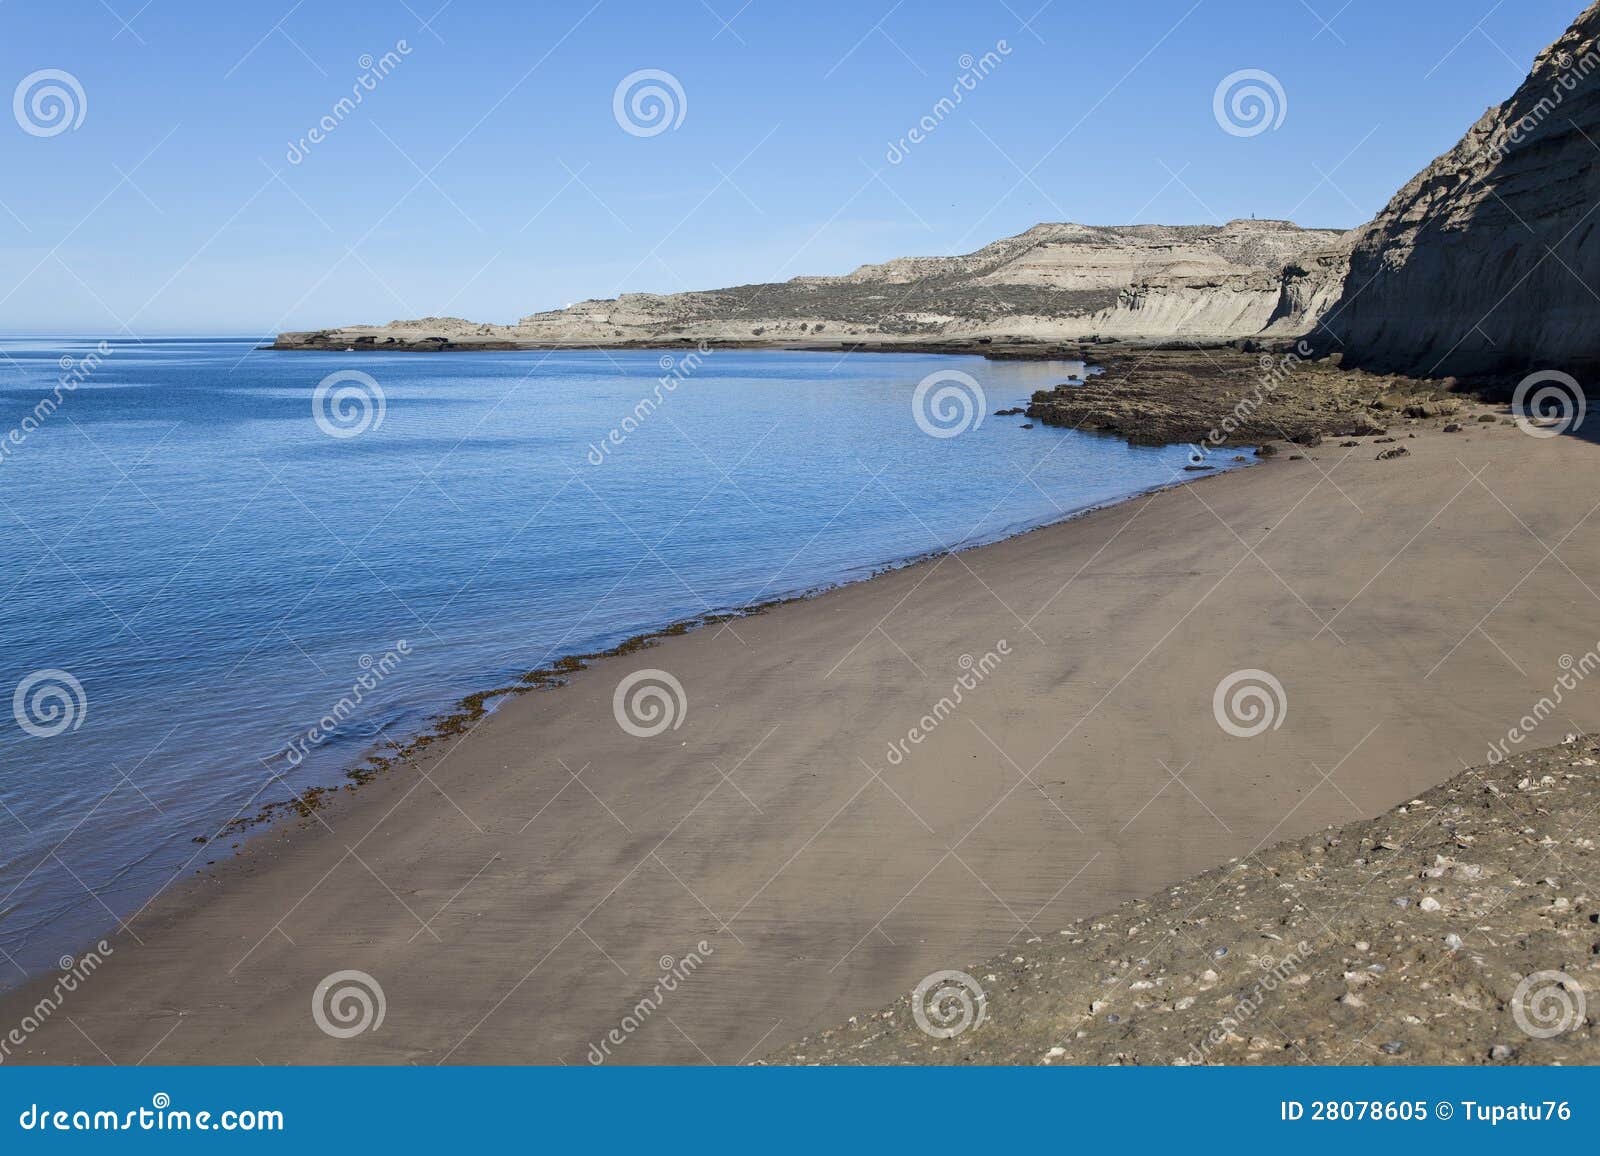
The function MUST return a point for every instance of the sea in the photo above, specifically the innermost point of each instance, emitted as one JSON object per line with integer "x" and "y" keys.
{"x": 207, "y": 545}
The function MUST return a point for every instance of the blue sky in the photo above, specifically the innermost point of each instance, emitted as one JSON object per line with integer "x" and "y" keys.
{"x": 486, "y": 176}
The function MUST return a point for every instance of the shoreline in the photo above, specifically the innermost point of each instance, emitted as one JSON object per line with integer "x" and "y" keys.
{"x": 232, "y": 905}
{"x": 470, "y": 709}
{"x": 1022, "y": 349}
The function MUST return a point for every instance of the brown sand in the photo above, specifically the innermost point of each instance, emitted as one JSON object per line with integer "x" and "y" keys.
{"x": 515, "y": 892}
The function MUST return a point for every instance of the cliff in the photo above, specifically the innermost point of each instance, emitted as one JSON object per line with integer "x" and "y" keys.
{"x": 1484, "y": 262}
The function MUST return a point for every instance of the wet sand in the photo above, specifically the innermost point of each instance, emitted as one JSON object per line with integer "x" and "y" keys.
{"x": 517, "y": 891}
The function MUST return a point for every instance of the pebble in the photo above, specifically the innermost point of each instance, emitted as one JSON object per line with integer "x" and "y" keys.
{"x": 1184, "y": 1004}
{"x": 1453, "y": 941}
{"x": 1055, "y": 1053}
{"x": 1393, "y": 1048}
{"x": 1502, "y": 1052}
{"x": 1429, "y": 903}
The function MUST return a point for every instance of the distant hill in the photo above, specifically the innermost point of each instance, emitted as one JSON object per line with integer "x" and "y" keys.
{"x": 1055, "y": 281}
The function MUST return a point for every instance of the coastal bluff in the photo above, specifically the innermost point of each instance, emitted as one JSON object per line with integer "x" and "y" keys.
{"x": 1055, "y": 282}
{"x": 1485, "y": 262}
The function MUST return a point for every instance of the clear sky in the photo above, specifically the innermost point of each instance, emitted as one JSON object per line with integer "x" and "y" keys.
{"x": 487, "y": 176}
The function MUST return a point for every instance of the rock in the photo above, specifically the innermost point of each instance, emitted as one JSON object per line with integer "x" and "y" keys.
{"x": 1392, "y": 1048}
{"x": 1429, "y": 903}
{"x": 1502, "y": 1052}
{"x": 1397, "y": 452}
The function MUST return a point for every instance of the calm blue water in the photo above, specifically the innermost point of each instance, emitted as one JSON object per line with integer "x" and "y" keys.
{"x": 185, "y": 541}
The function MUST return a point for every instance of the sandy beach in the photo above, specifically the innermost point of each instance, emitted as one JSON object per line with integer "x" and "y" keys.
{"x": 517, "y": 891}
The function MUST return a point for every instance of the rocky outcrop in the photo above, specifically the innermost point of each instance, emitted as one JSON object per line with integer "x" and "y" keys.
{"x": 1486, "y": 262}
{"x": 1228, "y": 397}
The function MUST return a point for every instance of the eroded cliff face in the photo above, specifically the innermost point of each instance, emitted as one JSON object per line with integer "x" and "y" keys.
{"x": 1486, "y": 262}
